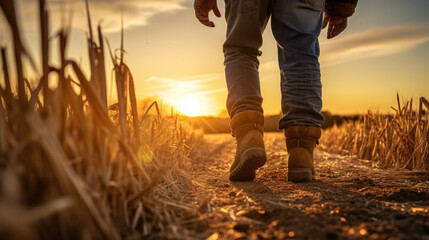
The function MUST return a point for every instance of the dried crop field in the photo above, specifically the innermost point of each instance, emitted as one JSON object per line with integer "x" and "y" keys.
{"x": 401, "y": 140}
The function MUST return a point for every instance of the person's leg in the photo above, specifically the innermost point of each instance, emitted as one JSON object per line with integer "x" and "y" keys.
{"x": 296, "y": 26}
{"x": 246, "y": 21}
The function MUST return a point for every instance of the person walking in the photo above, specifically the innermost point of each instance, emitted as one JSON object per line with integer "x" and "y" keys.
{"x": 296, "y": 25}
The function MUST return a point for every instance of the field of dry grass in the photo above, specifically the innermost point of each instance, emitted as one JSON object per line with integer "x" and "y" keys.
{"x": 401, "y": 140}
{"x": 73, "y": 167}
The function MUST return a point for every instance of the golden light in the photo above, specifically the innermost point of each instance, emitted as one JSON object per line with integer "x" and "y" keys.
{"x": 190, "y": 105}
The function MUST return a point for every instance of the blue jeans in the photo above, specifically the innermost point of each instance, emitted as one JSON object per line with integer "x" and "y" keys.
{"x": 296, "y": 25}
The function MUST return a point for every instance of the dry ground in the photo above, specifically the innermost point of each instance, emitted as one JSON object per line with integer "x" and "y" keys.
{"x": 351, "y": 198}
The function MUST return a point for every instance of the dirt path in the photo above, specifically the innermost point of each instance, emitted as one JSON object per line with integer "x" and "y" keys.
{"x": 352, "y": 199}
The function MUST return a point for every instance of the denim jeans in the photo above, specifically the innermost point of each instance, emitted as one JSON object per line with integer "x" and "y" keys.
{"x": 296, "y": 25}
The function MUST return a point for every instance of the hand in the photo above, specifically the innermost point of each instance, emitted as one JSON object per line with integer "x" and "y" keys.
{"x": 202, "y": 9}
{"x": 336, "y": 25}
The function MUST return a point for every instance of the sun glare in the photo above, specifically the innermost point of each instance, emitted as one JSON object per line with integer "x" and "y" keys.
{"x": 190, "y": 105}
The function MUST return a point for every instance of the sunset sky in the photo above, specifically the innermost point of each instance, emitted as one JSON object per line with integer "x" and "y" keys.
{"x": 385, "y": 49}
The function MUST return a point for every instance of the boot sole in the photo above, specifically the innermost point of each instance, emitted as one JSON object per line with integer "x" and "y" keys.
{"x": 300, "y": 174}
{"x": 250, "y": 160}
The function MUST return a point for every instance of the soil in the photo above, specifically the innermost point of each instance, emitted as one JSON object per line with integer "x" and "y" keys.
{"x": 351, "y": 198}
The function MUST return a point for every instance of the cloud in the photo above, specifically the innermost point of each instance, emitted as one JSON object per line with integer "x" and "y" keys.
{"x": 135, "y": 12}
{"x": 378, "y": 42}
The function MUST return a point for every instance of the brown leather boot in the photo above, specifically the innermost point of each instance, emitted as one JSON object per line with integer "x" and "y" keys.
{"x": 300, "y": 143}
{"x": 247, "y": 128}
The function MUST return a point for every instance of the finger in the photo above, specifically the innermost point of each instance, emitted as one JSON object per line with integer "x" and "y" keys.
{"x": 207, "y": 23}
{"x": 200, "y": 13}
{"x": 203, "y": 18}
{"x": 334, "y": 33}
{"x": 331, "y": 29}
{"x": 216, "y": 11}
{"x": 339, "y": 29}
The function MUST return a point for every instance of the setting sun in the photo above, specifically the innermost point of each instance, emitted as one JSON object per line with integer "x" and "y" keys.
{"x": 190, "y": 105}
